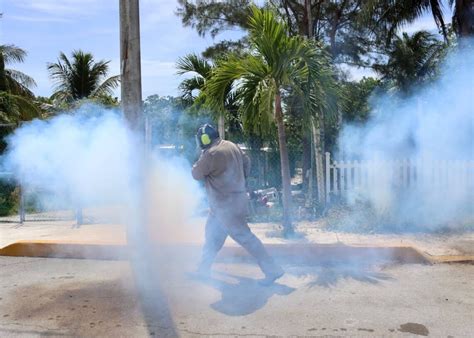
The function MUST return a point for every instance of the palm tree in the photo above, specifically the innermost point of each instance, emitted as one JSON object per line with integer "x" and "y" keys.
{"x": 16, "y": 99}
{"x": 395, "y": 13}
{"x": 81, "y": 77}
{"x": 192, "y": 88}
{"x": 411, "y": 60}
{"x": 274, "y": 63}
{"x": 200, "y": 68}
{"x": 18, "y": 83}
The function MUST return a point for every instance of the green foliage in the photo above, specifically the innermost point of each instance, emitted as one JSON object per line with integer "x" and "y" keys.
{"x": 16, "y": 108}
{"x": 213, "y": 17}
{"x": 165, "y": 116}
{"x": 82, "y": 77}
{"x": 355, "y": 105}
{"x": 275, "y": 61}
{"x": 210, "y": 16}
{"x": 16, "y": 100}
{"x": 337, "y": 24}
{"x": 195, "y": 97}
{"x": 390, "y": 15}
{"x": 221, "y": 48}
{"x": 171, "y": 124}
{"x": 11, "y": 80}
{"x": 412, "y": 60}
{"x": 191, "y": 88}
{"x": 9, "y": 198}
{"x": 16, "y": 105}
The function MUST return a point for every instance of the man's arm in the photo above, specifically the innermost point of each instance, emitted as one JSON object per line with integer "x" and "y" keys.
{"x": 202, "y": 167}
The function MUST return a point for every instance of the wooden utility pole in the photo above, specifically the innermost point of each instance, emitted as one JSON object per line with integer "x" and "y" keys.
{"x": 131, "y": 93}
{"x": 130, "y": 65}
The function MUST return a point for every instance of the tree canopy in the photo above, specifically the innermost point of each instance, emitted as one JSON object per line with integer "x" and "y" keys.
{"x": 81, "y": 77}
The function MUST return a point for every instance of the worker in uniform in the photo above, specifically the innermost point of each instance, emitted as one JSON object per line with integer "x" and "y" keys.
{"x": 224, "y": 167}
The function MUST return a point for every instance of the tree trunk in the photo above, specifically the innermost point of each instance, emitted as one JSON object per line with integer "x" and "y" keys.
{"x": 221, "y": 126}
{"x": 319, "y": 151}
{"x": 285, "y": 166}
{"x": 464, "y": 19}
{"x": 306, "y": 157}
{"x": 309, "y": 19}
{"x": 308, "y": 135}
{"x": 3, "y": 78}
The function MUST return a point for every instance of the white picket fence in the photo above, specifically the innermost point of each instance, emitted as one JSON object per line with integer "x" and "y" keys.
{"x": 344, "y": 176}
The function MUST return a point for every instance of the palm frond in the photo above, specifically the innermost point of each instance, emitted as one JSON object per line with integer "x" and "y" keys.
{"x": 19, "y": 108}
{"x": 188, "y": 86}
{"x": 192, "y": 63}
{"x": 28, "y": 110}
{"x": 393, "y": 14}
{"x": 20, "y": 77}
{"x": 16, "y": 88}
{"x": 107, "y": 87}
{"x": 221, "y": 79}
{"x": 60, "y": 74}
{"x": 12, "y": 53}
{"x": 258, "y": 105}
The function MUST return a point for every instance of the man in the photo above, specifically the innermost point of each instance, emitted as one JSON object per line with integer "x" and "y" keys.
{"x": 224, "y": 168}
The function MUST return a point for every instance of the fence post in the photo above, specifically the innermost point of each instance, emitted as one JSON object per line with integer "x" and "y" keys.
{"x": 22, "y": 204}
{"x": 342, "y": 177}
{"x": 328, "y": 176}
{"x": 79, "y": 217}
{"x": 148, "y": 134}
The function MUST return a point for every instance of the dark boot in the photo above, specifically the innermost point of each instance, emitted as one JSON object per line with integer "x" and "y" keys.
{"x": 272, "y": 272}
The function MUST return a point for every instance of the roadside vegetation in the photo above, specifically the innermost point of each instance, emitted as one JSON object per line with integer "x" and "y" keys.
{"x": 285, "y": 86}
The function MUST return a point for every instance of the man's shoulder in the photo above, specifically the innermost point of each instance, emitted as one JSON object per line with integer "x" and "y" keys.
{"x": 222, "y": 145}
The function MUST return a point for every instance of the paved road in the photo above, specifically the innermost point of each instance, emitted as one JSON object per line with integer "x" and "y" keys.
{"x": 59, "y": 297}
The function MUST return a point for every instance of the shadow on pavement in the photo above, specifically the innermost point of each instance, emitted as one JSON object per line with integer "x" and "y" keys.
{"x": 329, "y": 275}
{"x": 244, "y": 297}
{"x": 155, "y": 309}
{"x": 153, "y": 301}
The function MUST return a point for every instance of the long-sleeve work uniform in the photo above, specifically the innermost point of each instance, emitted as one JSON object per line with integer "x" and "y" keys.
{"x": 224, "y": 167}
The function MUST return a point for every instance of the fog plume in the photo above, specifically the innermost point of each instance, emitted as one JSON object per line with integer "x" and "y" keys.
{"x": 433, "y": 130}
{"x": 90, "y": 159}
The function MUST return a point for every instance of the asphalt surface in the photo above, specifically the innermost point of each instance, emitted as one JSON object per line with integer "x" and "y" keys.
{"x": 162, "y": 297}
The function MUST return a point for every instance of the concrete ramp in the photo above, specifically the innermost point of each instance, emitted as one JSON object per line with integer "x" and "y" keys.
{"x": 298, "y": 254}
{"x": 291, "y": 253}
{"x": 66, "y": 249}
{"x": 315, "y": 254}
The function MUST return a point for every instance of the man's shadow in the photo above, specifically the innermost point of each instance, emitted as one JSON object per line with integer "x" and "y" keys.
{"x": 244, "y": 297}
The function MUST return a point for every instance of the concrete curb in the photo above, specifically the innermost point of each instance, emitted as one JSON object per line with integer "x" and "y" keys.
{"x": 66, "y": 249}
{"x": 307, "y": 253}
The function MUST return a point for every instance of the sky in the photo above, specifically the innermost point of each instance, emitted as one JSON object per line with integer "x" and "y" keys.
{"x": 44, "y": 28}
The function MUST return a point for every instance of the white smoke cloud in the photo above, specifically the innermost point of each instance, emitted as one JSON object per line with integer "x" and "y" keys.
{"x": 84, "y": 157}
{"x": 434, "y": 129}
{"x": 90, "y": 159}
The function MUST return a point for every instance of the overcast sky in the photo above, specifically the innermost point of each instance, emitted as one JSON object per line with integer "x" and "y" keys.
{"x": 45, "y": 27}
